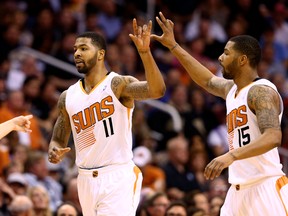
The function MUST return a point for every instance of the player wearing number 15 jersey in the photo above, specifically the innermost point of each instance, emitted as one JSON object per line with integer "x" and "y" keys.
{"x": 98, "y": 110}
{"x": 254, "y": 111}
{"x": 242, "y": 128}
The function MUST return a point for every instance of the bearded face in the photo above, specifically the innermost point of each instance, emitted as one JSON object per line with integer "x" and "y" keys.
{"x": 229, "y": 69}
{"x": 84, "y": 66}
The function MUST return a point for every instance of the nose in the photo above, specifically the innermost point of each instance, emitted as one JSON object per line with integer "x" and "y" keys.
{"x": 76, "y": 54}
{"x": 220, "y": 58}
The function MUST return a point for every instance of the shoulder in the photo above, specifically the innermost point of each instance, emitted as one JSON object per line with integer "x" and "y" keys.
{"x": 261, "y": 95}
{"x": 63, "y": 95}
{"x": 262, "y": 89}
{"x": 62, "y": 99}
{"x": 120, "y": 79}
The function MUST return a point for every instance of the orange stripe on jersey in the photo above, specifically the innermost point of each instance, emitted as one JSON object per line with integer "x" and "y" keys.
{"x": 281, "y": 182}
{"x": 86, "y": 138}
{"x": 136, "y": 172}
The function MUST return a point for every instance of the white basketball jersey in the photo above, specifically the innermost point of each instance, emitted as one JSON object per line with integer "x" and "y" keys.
{"x": 242, "y": 128}
{"x": 100, "y": 124}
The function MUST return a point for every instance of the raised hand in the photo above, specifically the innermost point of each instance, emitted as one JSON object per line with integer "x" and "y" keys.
{"x": 56, "y": 154}
{"x": 167, "y": 38}
{"x": 141, "y": 36}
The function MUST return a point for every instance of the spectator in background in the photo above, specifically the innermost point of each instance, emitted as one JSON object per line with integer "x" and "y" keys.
{"x": 15, "y": 106}
{"x": 197, "y": 163}
{"x": 153, "y": 176}
{"x": 214, "y": 35}
{"x": 9, "y": 41}
{"x": 41, "y": 201}
{"x": 67, "y": 209}
{"x": 179, "y": 179}
{"x": 36, "y": 173}
{"x": 280, "y": 53}
{"x": 61, "y": 78}
{"x": 217, "y": 137}
{"x": 279, "y": 21}
{"x": 218, "y": 187}
{"x": 27, "y": 66}
{"x": 109, "y": 19}
{"x": 21, "y": 205}
{"x": 176, "y": 208}
{"x": 18, "y": 183}
{"x": 199, "y": 200}
{"x": 31, "y": 91}
{"x": 273, "y": 66}
{"x": 71, "y": 193}
{"x": 157, "y": 204}
{"x": 44, "y": 31}
{"x": 215, "y": 205}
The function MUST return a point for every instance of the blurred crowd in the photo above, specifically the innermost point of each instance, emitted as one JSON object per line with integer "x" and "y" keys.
{"x": 172, "y": 161}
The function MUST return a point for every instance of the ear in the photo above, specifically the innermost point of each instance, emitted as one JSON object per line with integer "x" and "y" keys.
{"x": 101, "y": 54}
{"x": 243, "y": 60}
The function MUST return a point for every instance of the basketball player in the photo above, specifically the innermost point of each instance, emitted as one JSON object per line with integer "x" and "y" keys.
{"x": 98, "y": 109}
{"x": 19, "y": 123}
{"x": 254, "y": 110}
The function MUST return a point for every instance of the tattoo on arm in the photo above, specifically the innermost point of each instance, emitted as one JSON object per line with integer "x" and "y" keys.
{"x": 219, "y": 86}
{"x": 138, "y": 90}
{"x": 62, "y": 128}
{"x": 130, "y": 87}
{"x": 265, "y": 103}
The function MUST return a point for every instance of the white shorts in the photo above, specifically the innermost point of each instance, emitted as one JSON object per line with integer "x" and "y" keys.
{"x": 268, "y": 197}
{"x": 110, "y": 191}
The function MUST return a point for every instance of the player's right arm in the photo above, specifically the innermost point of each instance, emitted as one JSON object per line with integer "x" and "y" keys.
{"x": 61, "y": 133}
{"x": 200, "y": 74}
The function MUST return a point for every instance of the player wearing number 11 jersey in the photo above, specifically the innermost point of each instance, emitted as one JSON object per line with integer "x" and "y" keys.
{"x": 98, "y": 110}
{"x": 100, "y": 124}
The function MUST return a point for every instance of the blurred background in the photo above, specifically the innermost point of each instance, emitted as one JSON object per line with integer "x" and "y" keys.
{"x": 186, "y": 128}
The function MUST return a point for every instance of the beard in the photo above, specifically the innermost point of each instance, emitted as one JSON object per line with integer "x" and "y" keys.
{"x": 87, "y": 66}
{"x": 229, "y": 70}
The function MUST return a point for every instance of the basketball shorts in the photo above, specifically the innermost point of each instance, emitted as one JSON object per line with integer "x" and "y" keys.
{"x": 110, "y": 191}
{"x": 265, "y": 198}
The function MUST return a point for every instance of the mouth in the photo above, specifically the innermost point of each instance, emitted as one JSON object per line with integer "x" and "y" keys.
{"x": 79, "y": 61}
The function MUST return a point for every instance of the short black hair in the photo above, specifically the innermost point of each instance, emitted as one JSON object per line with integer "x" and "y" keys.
{"x": 96, "y": 39}
{"x": 248, "y": 46}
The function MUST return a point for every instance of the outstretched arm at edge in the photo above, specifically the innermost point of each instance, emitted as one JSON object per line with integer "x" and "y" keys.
{"x": 19, "y": 123}
{"x": 200, "y": 74}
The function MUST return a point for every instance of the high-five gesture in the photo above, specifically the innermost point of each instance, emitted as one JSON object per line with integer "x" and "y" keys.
{"x": 141, "y": 36}
{"x": 167, "y": 38}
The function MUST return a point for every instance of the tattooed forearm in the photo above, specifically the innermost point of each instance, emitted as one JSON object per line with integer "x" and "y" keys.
{"x": 265, "y": 103}
{"x": 62, "y": 128}
{"x": 139, "y": 90}
{"x": 129, "y": 88}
